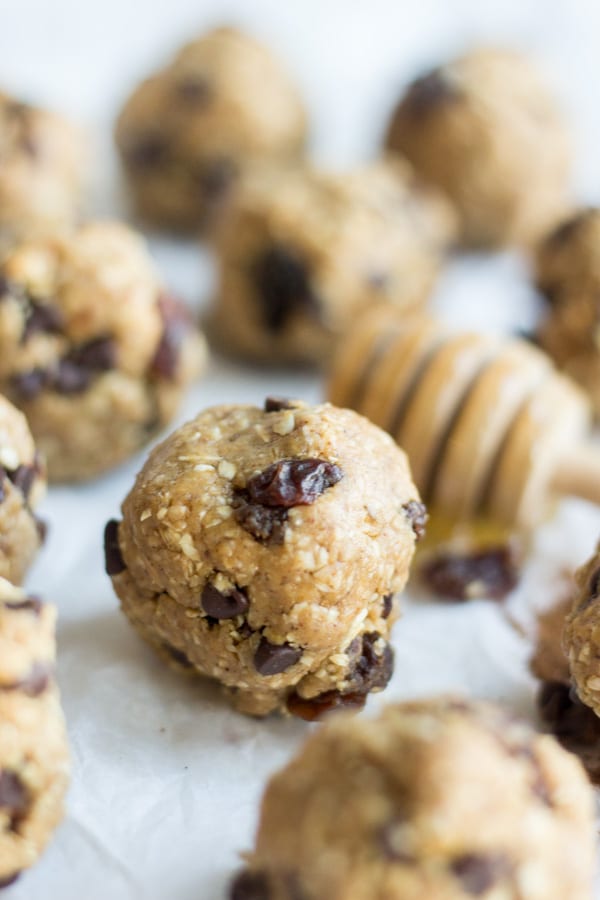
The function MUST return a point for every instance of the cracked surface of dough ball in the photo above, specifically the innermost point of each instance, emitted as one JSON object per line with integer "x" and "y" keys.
{"x": 303, "y": 251}
{"x": 34, "y": 757}
{"x": 440, "y": 799}
{"x": 568, "y": 273}
{"x": 263, "y": 549}
{"x": 487, "y": 131}
{"x": 188, "y": 131}
{"x": 42, "y": 156}
{"x": 92, "y": 348}
{"x": 22, "y": 486}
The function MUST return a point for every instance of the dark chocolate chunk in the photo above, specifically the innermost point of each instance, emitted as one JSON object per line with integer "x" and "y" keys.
{"x": 177, "y": 656}
{"x": 23, "y": 477}
{"x": 250, "y": 886}
{"x": 30, "y": 384}
{"x": 8, "y": 880}
{"x": 176, "y": 324}
{"x": 575, "y": 725}
{"x": 370, "y": 670}
{"x": 113, "y": 559}
{"x": 41, "y": 318}
{"x": 194, "y": 90}
{"x": 390, "y": 846}
{"x": 491, "y": 573}
{"x": 271, "y": 659}
{"x": 265, "y": 524}
{"x": 283, "y": 287}
{"x": 388, "y": 602}
{"x": 416, "y": 513}
{"x": 312, "y": 709}
{"x": 293, "y": 482}
{"x": 276, "y": 404}
{"x": 34, "y": 683}
{"x": 429, "y": 92}
{"x": 223, "y": 606}
{"x": 14, "y": 797}
{"x": 478, "y": 872}
{"x": 147, "y": 152}
{"x": 31, "y": 604}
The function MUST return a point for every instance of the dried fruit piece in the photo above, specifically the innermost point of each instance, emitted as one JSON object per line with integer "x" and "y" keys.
{"x": 283, "y": 286}
{"x": 492, "y": 573}
{"x": 293, "y": 482}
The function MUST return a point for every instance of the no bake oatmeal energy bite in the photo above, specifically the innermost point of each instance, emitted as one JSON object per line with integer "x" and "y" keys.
{"x": 92, "y": 348}
{"x": 264, "y": 548}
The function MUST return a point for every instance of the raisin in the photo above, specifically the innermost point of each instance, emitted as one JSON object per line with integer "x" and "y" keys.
{"x": 387, "y": 604}
{"x": 177, "y": 656}
{"x": 311, "y": 709}
{"x": 250, "y": 886}
{"x": 265, "y": 524}
{"x": 276, "y": 404}
{"x": 42, "y": 318}
{"x": 491, "y": 573}
{"x": 575, "y": 725}
{"x": 293, "y": 482}
{"x": 14, "y": 797}
{"x": 23, "y": 477}
{"x": 97, "y": 355}
{"x": 283, "y": 287}
{"x": 370, "y": 670}
{"x": 30, "y": 384}
{"x": 416, "y": 513}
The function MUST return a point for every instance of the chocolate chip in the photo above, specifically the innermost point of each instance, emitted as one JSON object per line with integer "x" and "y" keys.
{"x": 177, "y": 656}
{"x": 69, "y": 378}
{"x": 272, "y": 659}
{"x": 8, "y": 880}
{"x": 34, "y": 683}
{"x": 276, "y": 404}
{"x": 176, "y": 324}
{"x": 391, "y": 846}
{"x": 416, "y": 513}
{"x": 41, "y": 318}
{"x": 30, "y": 384}
{"x": 215, "y": 179}
{"x": 312, "y": 709}
{"x": 429, "y": 92}
{"x": 293, "y": 482}
{"x": 491, "y": 573}
{"x": 194, "y": 90}
{"x": 371, "y": 670}
{"x": 97, "y": 355}
{"x": 224, "y": 606}
{"x": 265, "y": 524}
{"x": 23, "y": 477}
{"x": 31, "y": 604}
{"x": 113, "y": 559}
{"x": 574, "y": 724}
{"x": 147, "y": 152}
{"x": 14, "y": 796}
{"x": 283, "y": 287}
{"x": 388, "y": 602}
{"x": 478, "y": 872}
{"x": 250, "y": 886}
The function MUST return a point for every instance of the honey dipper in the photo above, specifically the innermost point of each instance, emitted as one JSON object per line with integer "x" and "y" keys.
{"x": 491, "y": 429}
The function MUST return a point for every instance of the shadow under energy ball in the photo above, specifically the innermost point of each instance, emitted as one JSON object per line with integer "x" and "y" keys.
{"x": 264, "y": 549}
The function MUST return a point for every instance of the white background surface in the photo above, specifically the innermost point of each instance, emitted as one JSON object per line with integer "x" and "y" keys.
{"x": 166, "y": 778}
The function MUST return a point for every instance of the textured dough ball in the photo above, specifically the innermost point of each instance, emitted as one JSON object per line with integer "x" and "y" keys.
{"x": 34, "y": 758}
{"x": 262, "y": 549}
{"x": 41, "y": 172}
{"x": 582, "y": 634}
{"x": 22, "y": 486}
{"x": 302, "y": 252}
{"x": 433, "y": 800}
{"x": 92, "y": 349}
{"x": 486, "y": 130}
{"x": 187, "y": 132}
{"x": 568, "y": 273}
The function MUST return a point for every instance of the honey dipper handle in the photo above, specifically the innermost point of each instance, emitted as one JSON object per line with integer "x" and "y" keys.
{"x": 578, "y": 473}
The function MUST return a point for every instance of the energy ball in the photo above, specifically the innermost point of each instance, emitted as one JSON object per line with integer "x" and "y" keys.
{"x": 487, "y": 131}
{"x": 568, "y": 274}
{"x": 92, "y": 349}
{"x": 582, "y": 635}
{"x": 302, "y": 252}
{"x": 34, "y": 758}
{"x": 263, "y": 548}
{"x": 22, "y": 486}
{"x": 41, "y": 171}
{"x": 186, "y": 132}
{"x": 434, "y": 800}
